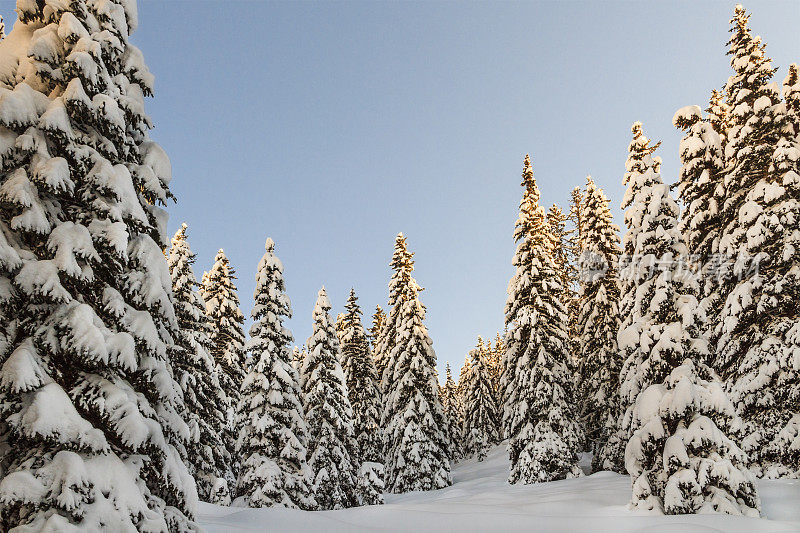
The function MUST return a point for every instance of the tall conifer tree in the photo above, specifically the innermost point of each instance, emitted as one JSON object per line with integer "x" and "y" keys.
{"x": 227, "y": 338}
{"x": 453, "y": 414}
{"x": 378, "y": 320}
{"x": 599, "y": 321}
{"x": 332, "y": 452}
{"x": 481, "y": 424}
{"x": 416, "y": 444}
{"x": 639, "y": 174}
{"x": 757, "y": 334}
{"x": 198, "y": 378}
{"x": 362, "y": 383}
{"x": 544, "y": 436}
{"x": 87, "y": 392}
{"x": 272, "y": 433}
{"x": 678, "y": 455}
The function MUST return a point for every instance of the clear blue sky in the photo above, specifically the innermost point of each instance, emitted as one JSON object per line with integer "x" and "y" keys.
{"x": 332, "y": 126}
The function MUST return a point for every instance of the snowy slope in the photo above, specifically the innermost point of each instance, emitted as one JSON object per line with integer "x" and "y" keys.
{"x": 481, "y": 500}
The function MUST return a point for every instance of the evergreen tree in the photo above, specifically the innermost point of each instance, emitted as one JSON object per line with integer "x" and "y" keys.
{"x": 701, "y": 192}
{"x": 495, "y": 365}
{"x": 568, "y": 276}
{"x": 791, "y": 95}
{"x": 599, "y": 321}
{"x": 453, "y": 415}
{"x": 227, "y": 338}
{"x": 198, "y": 378}
{"x": 370, "y": 483}
{"x": 757, "y": 331}
{"x": 573, "y": 244}
{"x": 272, "y": 434}
{"x": 340, "y": 326}
{"x": 481, "y": 416}
{"x": 297, "y": 358}
{"x": 752, "y": 136}
{"x": 378, "y": 320}
{"x": 718, "y": 112}
{"x": 566, "y": 270}
{"x": 577, "y": 214}
{"x": 538, "y": 418}
{"x": 641, "y": 174}
{"x": 678, "y": 454}
{"x": 416, "y": 445}
{"x": 401, "y": 265}
{"x": 87, "y": 395}
{"x": 362, "y": 383}
{"x": 332, "y": 452}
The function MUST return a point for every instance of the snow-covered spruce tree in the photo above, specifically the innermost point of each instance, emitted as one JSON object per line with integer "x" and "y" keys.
{"x": 753, "y": 134}
{"x": 298, "y": 354}
{"x": 198, "y": 378}
{"x": 679, "y": 458}
{"x": 568, "y": 275}
{"x": 567, "y": 272}
{"x": 640, "y": 174}
{"x": 87, "y": 392}
{"x": 416, "y": 443}
{"x": 453, "y": 414}
{"x": 495, "y": 364}
{"x": 362, "y": 383}
{"x": 339, "y": 326}
{"x": 272, "y": 433}
{"x": 539, "y": 419}
{"x": 575, "y": 218}
{"x": 758, "y": 332}
{"x": 718, "y": 112}
{"x": 401, "y": 265}
{"x": 481, "y": 424}
{"x": 791, "y": 96}
{"x": 227, "y": 343}
{"x": 701, "y": 192}
{"x": 227, "y": 331}
{"x": 378, "y": 320}
{"x": 599, "y": 321}
{"x": 369, "y": 485}
{"x": 678, "y": 454}
{"x": 332, "y": 454}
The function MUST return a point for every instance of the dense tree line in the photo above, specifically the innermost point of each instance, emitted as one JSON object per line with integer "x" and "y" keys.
{"x": 669, "y": 353}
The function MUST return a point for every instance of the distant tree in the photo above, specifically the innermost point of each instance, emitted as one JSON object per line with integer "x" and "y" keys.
{"x": 481, "y": 424}
{"x": 332, "y": 453}
{"x": 453, "y": 412}
{"x": 340, "y": 327}
{"x": 495, "y": 367}
{"x": 198, "y": 378}
{"x": 544, "y": 436}
{"x": 378, "y": 320}
{"x": 298, "y": 354}
{"x": 362, "y": 383}
{"x": 272, "y": 434}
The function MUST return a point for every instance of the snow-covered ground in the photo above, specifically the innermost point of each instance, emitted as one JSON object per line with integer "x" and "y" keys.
{"x": 481, "y": 500}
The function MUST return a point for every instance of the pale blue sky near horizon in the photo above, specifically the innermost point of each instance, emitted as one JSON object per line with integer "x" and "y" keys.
{"x": 332, "y": 126}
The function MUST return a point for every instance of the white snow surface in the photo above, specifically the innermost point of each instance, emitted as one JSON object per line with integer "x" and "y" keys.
{"x": 480, "y": 499}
